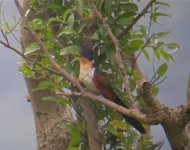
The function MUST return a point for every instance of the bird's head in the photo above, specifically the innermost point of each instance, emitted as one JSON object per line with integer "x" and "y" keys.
{"x": 87, "y": 51}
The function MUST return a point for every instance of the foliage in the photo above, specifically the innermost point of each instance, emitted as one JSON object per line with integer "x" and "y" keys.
{"x": 62, "y": 33}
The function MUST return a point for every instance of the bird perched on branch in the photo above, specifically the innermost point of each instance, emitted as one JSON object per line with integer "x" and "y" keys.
{"x": 94, "y": 80}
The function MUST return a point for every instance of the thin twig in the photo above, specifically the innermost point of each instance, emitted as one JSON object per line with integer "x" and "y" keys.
{"x": 136, "y": 58}
{"x": 154, "y": 78}
{"x": 5, "y": 37}
{"x": 28, "y": 58}
{"x": 136, "y": 19}
{"x": 161, "y": 81}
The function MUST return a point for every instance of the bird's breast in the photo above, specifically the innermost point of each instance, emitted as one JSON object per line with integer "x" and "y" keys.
{"x": 86, "y": 77}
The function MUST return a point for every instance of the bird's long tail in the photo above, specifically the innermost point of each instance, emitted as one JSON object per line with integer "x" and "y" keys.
{"x": 135, "y": 123}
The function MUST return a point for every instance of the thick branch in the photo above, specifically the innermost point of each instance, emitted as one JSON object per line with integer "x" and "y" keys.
{"x": 148, "y": 119}
{"x": 94, "y": 138}
{"x": 184, "y": 110}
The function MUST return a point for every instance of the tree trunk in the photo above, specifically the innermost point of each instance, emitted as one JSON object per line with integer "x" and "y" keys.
{"x": 93, "y": 133}
{"x": 48, "y": 116}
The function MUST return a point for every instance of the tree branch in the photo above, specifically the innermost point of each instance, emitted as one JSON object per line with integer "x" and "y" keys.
{"x": 136, "y": 19}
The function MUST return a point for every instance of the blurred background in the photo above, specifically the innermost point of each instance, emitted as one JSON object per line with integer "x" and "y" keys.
{"x": 17, "y": 131}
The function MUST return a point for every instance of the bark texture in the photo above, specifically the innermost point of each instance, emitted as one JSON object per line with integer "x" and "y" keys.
{"x": 173, "y": 121}
{"x": 48, "y": 119}
{"x": 48, "y": 116}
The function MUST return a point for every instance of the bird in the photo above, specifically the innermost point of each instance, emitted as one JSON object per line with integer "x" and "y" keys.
{"x": 95, "y": 81}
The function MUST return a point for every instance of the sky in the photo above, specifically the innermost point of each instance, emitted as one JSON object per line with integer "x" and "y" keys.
{"x": 17, "y": 130}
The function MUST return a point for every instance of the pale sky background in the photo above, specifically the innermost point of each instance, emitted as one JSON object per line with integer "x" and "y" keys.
{"x": 17, "y": 131}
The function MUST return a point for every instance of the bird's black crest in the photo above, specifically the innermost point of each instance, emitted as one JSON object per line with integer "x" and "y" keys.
{"x": 86, "y": 50}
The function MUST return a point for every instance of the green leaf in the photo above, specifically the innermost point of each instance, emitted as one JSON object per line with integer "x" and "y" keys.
{"x": 143, "y": 29}
{"x": 45, "y": 85}
{"x": 45, "y": 62}
{"x": 160, "y": 44}
{"x": 95, "y": 36}
{"x": 56, "y": 7}
{"x": 162, "y": 69}
{"x": 32, "y": 47}
{"x": 112, "y": 130}
{"x": 66, "y": 14}
{"x": 67, "y": 31}
{"x": 108, "y": 6}
{"x": 75, "y": 134}
{"x": 38, "y": 24}
{"x": 137, "y": 76}
{"x": 5, "y": 28}
{"x": 173, "y": 59}
{"x": 72, "y": 50}
{"x": 172, "y": 45}
{"x": 71, "y": 20}
{"x": 27, "y": 72}
{"x": 124, "y": 19}
{"x": 138, "y": 36}
{"x": 81, "y": 27}
{"x": 110, "y": 53}
{"x": 146, "y": 54}
{"x": 55, "y": 19}
{"x": 155, "y": 90}
{"x": 131, "y": 7}
{"x": 165, "y": 55}
{"x": 162, "y": 3}
{"x": 80, "y": 7}
{"x": 155, "y": 15}
{"x": 59, "y": 100}
{"x": 120, "y": 124}
{"x": 137, "y": 44}
{"x": 161, "y": 35}
{"x": 157, "y": 53}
